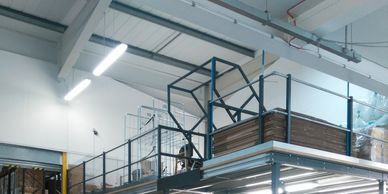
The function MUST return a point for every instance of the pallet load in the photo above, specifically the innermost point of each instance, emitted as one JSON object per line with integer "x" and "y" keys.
{"x": 33, "y": 181}
{"x": 305, "y": 131}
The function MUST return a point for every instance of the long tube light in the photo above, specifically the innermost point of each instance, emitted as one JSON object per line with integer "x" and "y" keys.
{"x": 265, "y": 191}
{"x": 301, "y": 187}
{"x": 289, "y": 188}
{"x": 77, "y": 89}
{"x": 110, "y": 59}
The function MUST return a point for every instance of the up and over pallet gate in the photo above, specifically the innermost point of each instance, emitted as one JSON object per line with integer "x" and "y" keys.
{"x": 259, "y": 151}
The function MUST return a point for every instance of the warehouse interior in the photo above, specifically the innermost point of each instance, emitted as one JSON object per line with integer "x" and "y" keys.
{"x": 193, "y": 96}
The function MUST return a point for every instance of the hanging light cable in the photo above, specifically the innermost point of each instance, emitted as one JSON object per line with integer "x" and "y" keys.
{"x": 111, "y": 57}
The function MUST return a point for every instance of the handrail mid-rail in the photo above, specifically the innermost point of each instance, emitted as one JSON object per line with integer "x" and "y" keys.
{"x": 127, "y": 145}
{"x": 289, "y": 79}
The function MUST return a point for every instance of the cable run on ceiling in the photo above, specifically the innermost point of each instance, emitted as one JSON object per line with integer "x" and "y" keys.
{"x": 364, "y": 44}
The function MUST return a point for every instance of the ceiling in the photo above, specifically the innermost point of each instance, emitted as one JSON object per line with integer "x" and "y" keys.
{"x": 372, "y": 28}
{"x": 278, "y": 8}
{"x": 59, "y": 11}
{"x": 158, "y": 39}
{"x": 153, "y": 37}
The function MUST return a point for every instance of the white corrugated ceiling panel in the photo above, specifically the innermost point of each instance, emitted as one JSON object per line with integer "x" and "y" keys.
{"x": 128, "y": 29}
{"x": 61, "y": 11}
{"x": 144, "y": 34}
{"x": 197, "y": 51}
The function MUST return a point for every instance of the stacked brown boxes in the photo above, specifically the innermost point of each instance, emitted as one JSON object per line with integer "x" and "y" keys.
{"x": 33, "y": 180}
{"x": 304, "y": 132}
{"x": 75, "y": 176}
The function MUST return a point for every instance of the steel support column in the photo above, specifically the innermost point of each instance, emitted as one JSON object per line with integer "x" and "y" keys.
{"x": 210, "y": 108}
{"x": 275, "y": 178}
{"x": 23, "y": 180}
{"x": 382, "y": 187}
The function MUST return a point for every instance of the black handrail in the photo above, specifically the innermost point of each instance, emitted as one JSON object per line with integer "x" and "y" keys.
{"x": 158, "y": 154}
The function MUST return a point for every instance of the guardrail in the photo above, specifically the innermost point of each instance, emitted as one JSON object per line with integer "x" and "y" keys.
{"x": 350, "y": 101}
{"x": 98, "y": 174}
{"x": 235, "y": 112}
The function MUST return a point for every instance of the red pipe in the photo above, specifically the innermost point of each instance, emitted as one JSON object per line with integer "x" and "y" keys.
{"x": 291, "y": 8}
{"x": 293, "y": 20}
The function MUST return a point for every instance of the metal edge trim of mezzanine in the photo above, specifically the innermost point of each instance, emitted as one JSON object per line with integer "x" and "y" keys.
{"x": 284, "y": 153}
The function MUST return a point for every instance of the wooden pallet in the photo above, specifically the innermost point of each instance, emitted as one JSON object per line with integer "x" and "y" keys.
{"x": 304, "y": 132}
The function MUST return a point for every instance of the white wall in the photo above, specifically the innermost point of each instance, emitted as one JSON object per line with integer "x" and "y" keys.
{"x": 33, "y": 112}
{"x": 304, "y": 99}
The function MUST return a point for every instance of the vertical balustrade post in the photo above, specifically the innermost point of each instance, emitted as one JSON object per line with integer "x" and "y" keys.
{"x": 103, "y": 171}
{"x": 261, "y": 108}
{"x": 159, "y": 173}
{"x": 84, "y": 177}
{"x": 288, "y": 108}
{"x": 129, "y": 161}
{"x": 349, "y": 126}
{"x": 210, "y": 109}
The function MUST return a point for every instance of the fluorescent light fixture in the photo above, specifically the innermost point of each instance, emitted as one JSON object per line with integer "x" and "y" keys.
{"x": 297, "y": 176}
{"x": 299, "y": 167}
{"x": 282, "y": 179}
{"x": 259, "y": 183}
{"x": 265, "y": 191}
{"x": 347, "y": 187}
{"x": 335, "y": 180}
{"x": 289, "y": 188}
{"x": 110, "y": 59}
{"x": 301, "y": 187}
{"x": 77, "y": 89}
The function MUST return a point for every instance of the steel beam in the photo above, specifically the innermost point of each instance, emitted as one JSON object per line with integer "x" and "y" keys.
{"x": 31, "y": 19}
{"x": 286, "y": 27}
{"x": 149, "y": 54}
{"x": 181, "y": 28}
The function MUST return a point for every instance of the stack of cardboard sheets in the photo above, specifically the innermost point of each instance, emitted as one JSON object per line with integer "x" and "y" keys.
{"x": 304, "y": 132}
